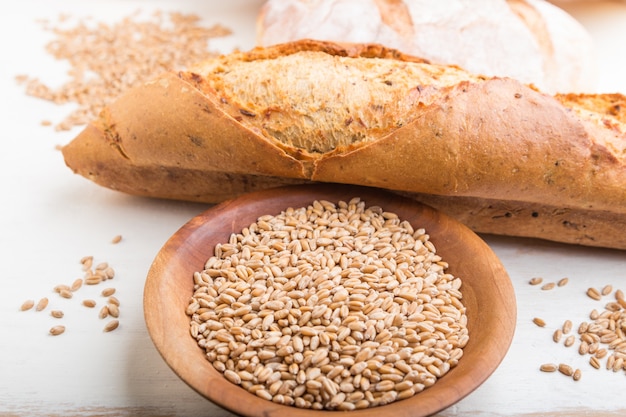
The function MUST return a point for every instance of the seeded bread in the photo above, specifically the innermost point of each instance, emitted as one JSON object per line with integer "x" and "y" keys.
{"x": 503, "y": 157}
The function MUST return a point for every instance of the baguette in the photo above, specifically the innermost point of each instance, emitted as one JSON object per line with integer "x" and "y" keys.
{"x": 501, "y": 156}
{"x": 550, "y": 49}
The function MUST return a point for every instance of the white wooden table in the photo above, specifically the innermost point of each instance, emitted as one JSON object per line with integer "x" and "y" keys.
{"x": 51, "y": 218}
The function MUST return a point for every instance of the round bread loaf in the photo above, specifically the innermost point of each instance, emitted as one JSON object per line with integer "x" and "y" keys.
{"x": 532, "y": 41}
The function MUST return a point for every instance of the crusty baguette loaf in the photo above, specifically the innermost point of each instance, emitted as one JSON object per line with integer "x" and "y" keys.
{"x": 532, "y": 41}
{"x": 502, "y": 156}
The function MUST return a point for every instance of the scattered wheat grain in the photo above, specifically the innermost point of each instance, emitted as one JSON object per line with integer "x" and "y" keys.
{"x": 76, "y": 285}
{"x": 57, "y": 314}
{"x": 104, "y": 312}
{"x": 594, "y": 362}
{"x": 66, "y": 293}
{"x": 548, "y": 367}
{"x": 593, "y": 293}
{"x": 93, "y": 280}
{"x": 107, "y": 292}
{"x": 567, "y": 326}
{"x": 566, "y": 369}
{"x": 114, "y": 310}
{"x": 111, "y": 325}
{"x": 57, "y": 330}
{"x": 107, "y": 59}
{"x": 61, "y": 287}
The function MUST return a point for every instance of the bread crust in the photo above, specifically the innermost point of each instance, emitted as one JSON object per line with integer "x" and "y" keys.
{"x": 476, "y": 140}
{"x": 497, "y": 140}
{"x": 552, "y": 50}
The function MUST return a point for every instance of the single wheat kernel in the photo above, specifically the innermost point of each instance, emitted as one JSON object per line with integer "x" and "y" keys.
{"x": 601, "y": 353}
{"x": 109, "y": 273}
{"x": 116, "y": 239}
{"x": 569, "y": 341}
{"x": 593, "y": 293}
{"x": 548, "y": 286}
{"x": 610, "y": 361}
{"x": 104, "y": 312}
{"x": 57, "y": 330}
{"x": 606, "y": 290}
{"x": 27, "y": 305}
{"x": 89, "y": 303}
{"x": 114, "y": 310}
{"x": 557, "y": 335}
{"x": 566, "y": 369}
{"x": 41, "y": 304}
{"x": 539, "y": 322}
{"x": 76, "y": 285}
{"x": 112, "y": 325}
{"x": 102, "y": 266}
{"x": 577, "y": 375}
{"x": 583, "y": 348}
{"x": 57, "y": 314}
{"x": 548, "y": 367}
{"x": 562, "y": 282}
{"x": 107, "y": 292}
{"x": 567, "y": 326}
{"x": 93, "y": 280}
{"x": 535, "y": 281}
{"x": 65, "y": 293}
{"x": 61, "y": 287}
{"x": 595, "y": 362}
{"x": 613, "y": 306}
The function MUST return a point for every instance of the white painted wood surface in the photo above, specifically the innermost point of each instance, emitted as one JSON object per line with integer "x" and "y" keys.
{"x": 51, "y": 218}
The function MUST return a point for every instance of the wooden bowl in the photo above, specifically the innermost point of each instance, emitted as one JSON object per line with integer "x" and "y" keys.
{"x": 487, "y": 295}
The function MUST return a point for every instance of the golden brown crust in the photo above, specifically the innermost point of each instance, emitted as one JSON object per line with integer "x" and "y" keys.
{"x": 497, "y": 140}
{"x": 511, "y": 218}
{"x": 466, "y": 138}
{"x": 167, "y": 123}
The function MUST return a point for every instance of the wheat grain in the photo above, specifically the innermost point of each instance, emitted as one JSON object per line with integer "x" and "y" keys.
{"x": 27, "y": 305}
{"x": 321, "y": 307}
{"x": 41, "y": 304}
{"x": 57, "y": 330}
{"x": 106, "y": 60}
{"x": 548, "y": 367}
{"x": 111, "y": 325}
{"x": 58, "y": 314}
